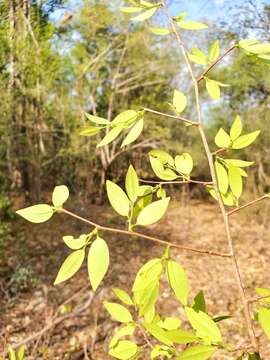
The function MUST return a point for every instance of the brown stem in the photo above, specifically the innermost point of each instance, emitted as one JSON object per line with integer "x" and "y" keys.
{"x": 143, "y": 236}
{"x": 238, "y": 278}
{"x": 248, "y": 204}
{"x": 177, "y": 182}
{"x": 187, "y": 121}
{"x": 258, "y": 298}
{"x": 210, "y": 67}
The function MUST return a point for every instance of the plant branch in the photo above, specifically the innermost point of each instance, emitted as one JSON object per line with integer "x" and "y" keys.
{"x": 144, "y": 236}
{"x": 211, "y": 66}
{"x": 209, "y": 155}
{"x": 187, "y": 121}
{"x": 259, "y": 298}
{"x": 248, "y": 204}
{"x": 177, "y": 182}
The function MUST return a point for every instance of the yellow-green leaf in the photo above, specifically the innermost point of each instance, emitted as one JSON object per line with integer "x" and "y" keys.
{"x": 170, "y": 323}
{"x": 36, "y": 213}
{"x": 153, "y": 212}
{"x": 235, "y": 181}
{"x": 184, "y": 163}
{"x": 125, "y": 118}
{"x": 90, "y": 131}
{"x": 75, "y": 244}
{"x": 162, "y": 156}
{"x": 124, "y": 350}
{"x": 112, "y": 135}
{"x": 70, "y": 266}
{"x": 130, "y": 9}
{"x": 132, "y": 184}
{"x": 197, "y": 56}
{"x": 97, "y": 120}
{"x": 98, "y": 262}
{"x": 213, "y": 52}
{"x": 213, "y": 89}
{"x": 118, "y": 199}
{"x": 222, "y": 139}
{"x": 199, "y": 352}
{"x": 123, "y": 331}
{"x": 178, "y": 281}
{"x": 236, "y": 128}
{"x": 160, "y": 171}
{"x": 180, "y": 336}
{"x": 263, "y": 292}
{"x": 159, "y": 31}
{"x": 60, "y": 195}
{"x": 191, "y": 25}
{"x": 239, "y": 163}
{"x": 134, "y": 133}
{"x": 245, "y": 140}
{"x": 264, "y": 320}
{"x": 179, "y": 101}
{"x": 123, "y": 296}
{"x": 118, "y": 312}
{"x": 222, "y": 177}
{"x": 145, "y": 15}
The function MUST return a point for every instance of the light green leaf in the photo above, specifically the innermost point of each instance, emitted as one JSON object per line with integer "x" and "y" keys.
{"x": 112, "y": 135}
{"x": 123, "y": 296}
{"x": 162, "y": 156}
{"x": 21, "y": 352}
{"x": 148, "y": 273}
{"x": 145, "y": 190}
{"x": 90, "y": 131}
{"x": 161, "y": 352}
{"x": 118, "y": 199}
{"x": 123, "y": 331}
{"x": 60, "y": 195}
{"x": 213, "y": 89}
{"x": 254, "y": 46}
{"x": 179, "y": 101}
{"x": 98, "y": 262}
{"x": 238, "y": 163}
{"x": 124, "y": 350}
{"x": 118, "y": 312}
{"x": 178, "y": 281}
{"x": 264, "y": 320}
{"x": 70, "y": 266}
{"x": 191, "y": 25}
{"x": 264, "y": 292}
{"x": 97, "y": 120}
{"x": 125, "y": 118}
{"x": 134, "y": 133}
{"x": 184, "y": 163}
{"x": 75, "y": 244}
{"x": 145, "y": 15}
{"x": 236, "y": 128}
{"x": 180, "y": 336}
{"x": 197, "y": 56}
{"x": 222, "y": 139}
{"x": 159, "y": 31}
{"x": 170, "y": 323}
{"x": 228, "y": 199}
{"x": 12, "y": 353}
{"x": 130, "y": 10}
{"x": 205, "y": 327}
{"x": 153, "y": 212}
{"x": 222, "y": 177}
{"x": 36, "y": 213}
{"x": 235, "y": 181}
{"x": 158, "y": 333}
{"x": 132, "y": 184}
{"x": 245, "y": 140}
{"x": 160, "y": 171}
{"x": 199, "y": 352}
{"x": 213, "y": 52}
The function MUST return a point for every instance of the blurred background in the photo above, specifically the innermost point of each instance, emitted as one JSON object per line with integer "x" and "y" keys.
{"x": 59, "y": 59}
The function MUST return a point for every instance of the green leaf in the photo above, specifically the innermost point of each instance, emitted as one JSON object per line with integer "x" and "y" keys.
{"x": 245, "y": 140}
{"x": 236, "y": 128}
{"x": 222, "y": 139}
{"x": 130, "y": 10}
{"x": 238, "y": 163}
{"x": 60, "y": 195}
{"x": 160, "y": 351}
{"x": 118, "y": 199}
{"x": 254, "y": 46}
{"x": 264, "y": 292}
{"x": 158, "y": 333}
{"x": 179, "y": 101}
{"x": 162, "y": 156}
{"x": 153, "y": 212}
{"x": 123, "y": 296}
{"x": 222, "y": 177}
{"x": 21, "y": 352}
{"x": 70, "y": 266}
{"x": 184, "y": 163}
{"x": 112, "y": 135}
{"x": 132, "y": 184}
{"x": 199, "y": 352}
{"x": 180, "y": 336}
{"x": 12, "y": 353}
{"x": 235, "y": 181}
{"x": 118, "y": 312}
{"x": 160, "y": 171}
{"x": 159, "y": 31}
{"x": 228, "y": 199}
{"x": 124, "y": 350}
{"x": 144, "y": 190}
{"x": 264, "y": 320}
{"x": 125, "y": 118}
{"x": 36, "y": 213}
{"x": 75, "y": 244}
{"x": 98, "y": 262}
{"x": 205, "y": 327}
{"x": 254, "y": 356}
{"x": 191, "y": 25}
{"x": 170, "y": 323}
{"x": 197, "y": 56}
{"x": 199, "y": 302}
{"x": 134, "y": 133}
{"x": 148, "y": 273}
{"x": 97, "y": 120}
{"x": 178, "y": 281}
{"x": 90, "y": 131}
{"x": 145, "y": 15}
{"x": 213, "y": 89}
{"x": 123, "y": 331}
{"x": 214, "y": 52}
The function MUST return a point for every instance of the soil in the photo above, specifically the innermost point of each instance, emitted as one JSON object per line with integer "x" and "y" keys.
{"x": 81, "y": 328}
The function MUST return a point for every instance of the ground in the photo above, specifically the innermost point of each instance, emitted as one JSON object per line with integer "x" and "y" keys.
{"x": 69, "y": 322}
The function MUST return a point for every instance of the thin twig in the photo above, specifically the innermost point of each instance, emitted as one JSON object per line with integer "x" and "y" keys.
{"x": 210, "y": 67}
{"x": 187, "y": 121}
{"x": 248, "y": 204}
{"x": 259, "y": 298}
{"x": 144, "y": 236}
{"x": 177, "y": 182}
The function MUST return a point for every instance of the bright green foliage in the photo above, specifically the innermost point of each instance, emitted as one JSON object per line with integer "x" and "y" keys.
{"x": 197, "y": 353}
{"x": 263, "y": 292}
{"x": 236, "y": 128}
{"x": 170, "y": 323}
{"x": 110, "y": 136}
{"x": 199, "y": 303}
{"x": 60, "y": 195}
{"x": 264, "y": 320}
{"x": 118, "y": 312}
{"x": 123, "y": 331}
{"x": 178, "y": 281}
{"x": 70, "y": 266}
{"x": 134, "y": 133}
{"x": 222, "y": 177}
{"x": 191, "y": 25}
{"x": 213, "y": 52}
{"x": 132, "y": 184}
{"x": 36, "y": 213}
{"x": 73, "y": 243}
{"x": 197, "y": 56}
{"x": 179, "y": 101}
{"x": 205, "y": 327}
{"x": 256, "y": 49}
{"x": 184, "y": 164}
{"x": 245, "y": 140}
{"x": 161, "y": 351}
{"x": 213, "y": 88}
{"x": 124, "y": 350}
{"x": 144, "y": 16}
{"x": 222, "y": 139}
{"x": 159, "y": 31}
{"x": 14, "y": 356}
{"x": 118, "y": 199}
{"x": 153, "y": 212}
{"x": 98, "y": 261}
{"x": 123, "y": 296}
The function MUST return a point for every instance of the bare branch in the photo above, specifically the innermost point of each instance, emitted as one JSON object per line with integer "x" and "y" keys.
{"x": 248, "y": 204}
{"x": 187, "y": 121}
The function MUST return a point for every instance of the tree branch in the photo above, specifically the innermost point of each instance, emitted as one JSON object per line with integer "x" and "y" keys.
{"x": 177, "y": 182}
{"x": 187, "y": 121}
{"x": 248, "y": 204}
